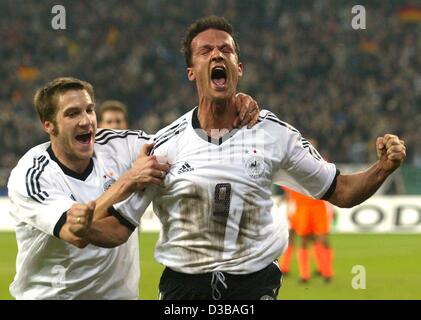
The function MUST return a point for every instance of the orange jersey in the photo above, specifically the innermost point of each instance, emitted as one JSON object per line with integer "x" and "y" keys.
{"x": 308, "y": 216}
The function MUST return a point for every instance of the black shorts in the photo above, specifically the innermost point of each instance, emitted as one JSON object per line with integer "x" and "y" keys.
{"x": 260, "y": 285}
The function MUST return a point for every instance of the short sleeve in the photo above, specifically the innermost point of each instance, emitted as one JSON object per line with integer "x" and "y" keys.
{"x": 37, "y": 203}
{"x": 302, "y": 168}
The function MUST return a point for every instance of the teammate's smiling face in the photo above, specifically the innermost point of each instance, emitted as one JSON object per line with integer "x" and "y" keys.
{"x": 215, "y": 66}
{"x": 73, "y": 132}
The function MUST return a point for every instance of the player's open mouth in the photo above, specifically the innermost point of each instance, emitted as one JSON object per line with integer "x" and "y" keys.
{"x": 219, "y": 76}
{"x": 84, "y": 138}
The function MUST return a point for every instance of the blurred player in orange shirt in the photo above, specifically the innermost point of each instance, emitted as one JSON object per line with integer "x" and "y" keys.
{"x": 309, "y": 219}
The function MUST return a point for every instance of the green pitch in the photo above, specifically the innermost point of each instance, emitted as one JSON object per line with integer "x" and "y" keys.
{"x": 392, "y": 266}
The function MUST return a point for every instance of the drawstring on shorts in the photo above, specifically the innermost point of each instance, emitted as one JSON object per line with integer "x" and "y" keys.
{"x": 217, "y": 277}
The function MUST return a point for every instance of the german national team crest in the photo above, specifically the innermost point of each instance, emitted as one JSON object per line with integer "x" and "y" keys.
{"x": 255, "y": 166}
{"x": 108, "y": 182}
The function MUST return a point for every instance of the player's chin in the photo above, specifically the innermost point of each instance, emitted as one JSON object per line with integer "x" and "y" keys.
{"x": 85, "y": 152}
{"x": 221, "y": 96}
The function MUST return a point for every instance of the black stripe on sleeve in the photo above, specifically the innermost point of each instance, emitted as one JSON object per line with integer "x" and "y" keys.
{"x": 273, "y": 118}
{"x": 167, "y": 134}
{"x": 123, "y": 221}
{"x": 37, "y": 163}
{"x": 163, "y": 141}
{"x": 38, "y": 176}
{"x": 332, "y": 187}
{"x": 121, "y": 136}
{"x": 170, "y": 130}
{"x": 32, "y": 179}
{"x": 28, "y": 180}
{"x": 104, "y": 133}
{"x": 60, "y": 223}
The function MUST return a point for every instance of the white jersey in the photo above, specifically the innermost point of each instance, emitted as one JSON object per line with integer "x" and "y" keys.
{"x": 41, "y": 191}
{"x": 215, "y": 206}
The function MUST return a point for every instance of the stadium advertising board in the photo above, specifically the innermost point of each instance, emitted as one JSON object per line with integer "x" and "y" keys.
{"x": 400, "y": 214}
{"x": 379, "y": 214}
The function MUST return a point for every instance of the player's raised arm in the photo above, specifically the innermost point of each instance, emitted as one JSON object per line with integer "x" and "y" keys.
{"x": 355, "y": 188}
{"x": 108, "y": 228}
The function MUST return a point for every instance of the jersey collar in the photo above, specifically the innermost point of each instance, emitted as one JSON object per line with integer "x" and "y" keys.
{"x": 204, "y": 136}
{"x": 80, "y": 176}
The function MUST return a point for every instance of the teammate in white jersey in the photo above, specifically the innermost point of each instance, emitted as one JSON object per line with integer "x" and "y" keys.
{"x": 61, "y": 178}
{"x": 219, "y": 239}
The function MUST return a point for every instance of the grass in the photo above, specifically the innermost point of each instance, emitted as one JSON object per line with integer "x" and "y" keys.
{"x": 392, "y": 265}
{"x": 8, "y": 250}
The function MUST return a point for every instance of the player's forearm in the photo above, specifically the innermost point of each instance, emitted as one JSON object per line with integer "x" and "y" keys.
{"x": 119, "y": 191}
{"x": 107, "y": 233}
{"x": 355, "y": 188}
{"x": 66, "y": 235}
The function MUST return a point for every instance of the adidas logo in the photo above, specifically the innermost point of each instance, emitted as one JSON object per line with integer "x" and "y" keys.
{"x": 185, "y": 168}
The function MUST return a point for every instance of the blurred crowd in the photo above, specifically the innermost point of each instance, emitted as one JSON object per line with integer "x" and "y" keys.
{"x": 302, "y": 60}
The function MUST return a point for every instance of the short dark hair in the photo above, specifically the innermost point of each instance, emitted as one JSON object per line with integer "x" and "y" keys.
{"x": 203, "y": 24}
{"x": 112, "y": 105}
{"x": 45, "y": 99}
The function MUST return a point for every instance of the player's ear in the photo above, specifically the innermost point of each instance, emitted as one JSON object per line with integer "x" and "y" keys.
{"x": 240, "y": 69}
{"x": 49, "y": 127}
{"x": 190, "y": 74}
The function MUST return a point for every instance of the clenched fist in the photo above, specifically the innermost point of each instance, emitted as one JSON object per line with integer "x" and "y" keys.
{"x": 79, "y": 217}
{"x": 391, "y": 152}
